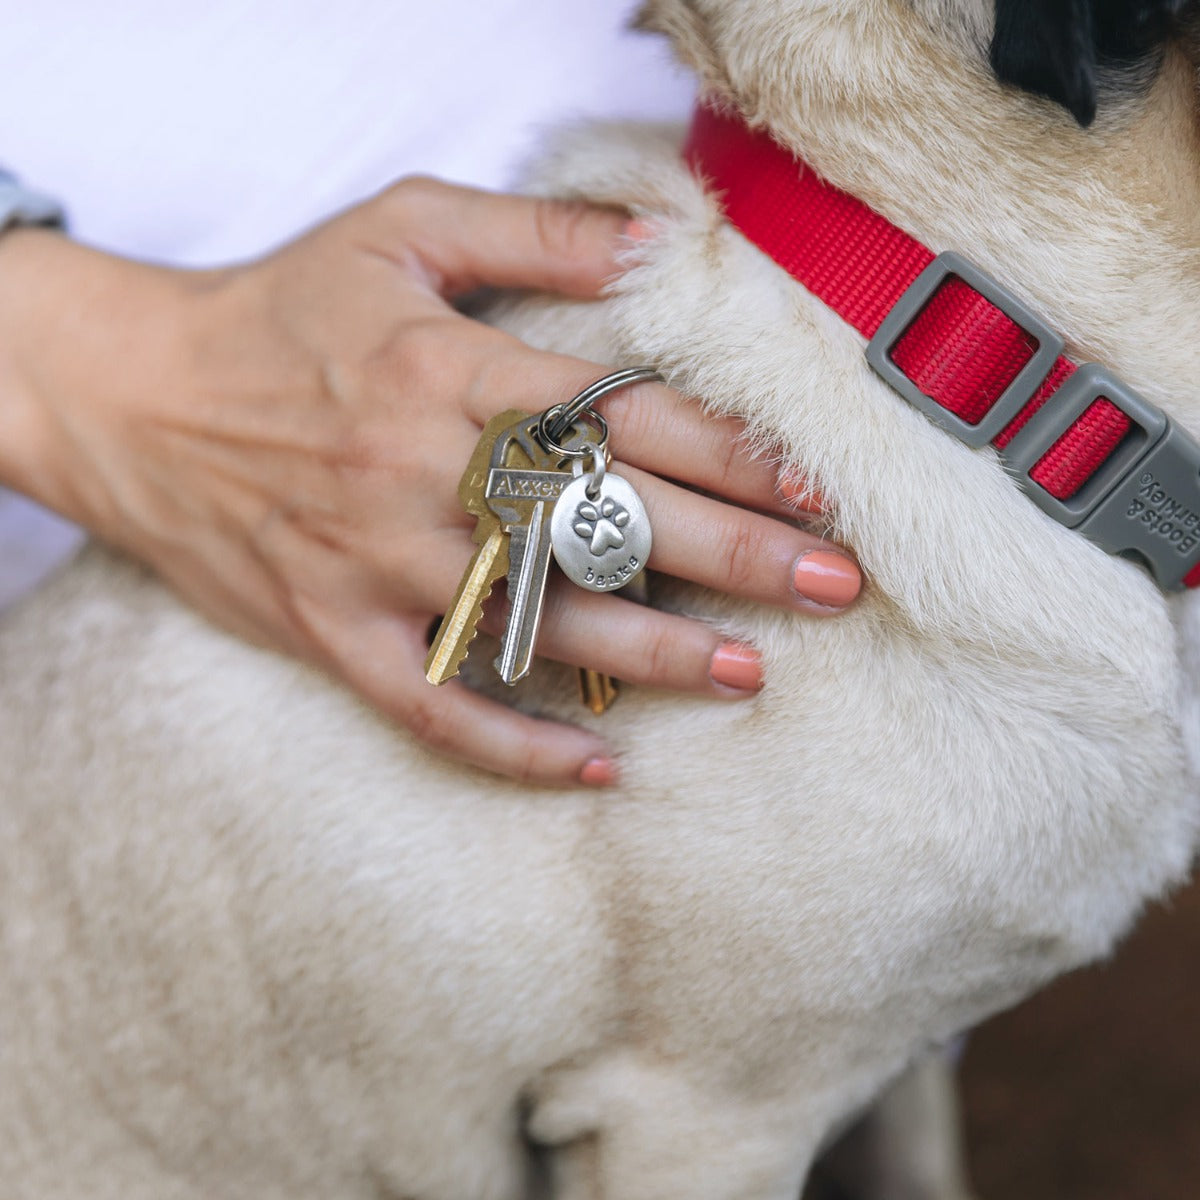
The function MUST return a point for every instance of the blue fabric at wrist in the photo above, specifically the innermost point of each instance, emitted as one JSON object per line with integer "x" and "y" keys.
{"x": 20, "y": 205}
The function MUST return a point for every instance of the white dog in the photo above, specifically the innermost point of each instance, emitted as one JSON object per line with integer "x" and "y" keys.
{"x": 256, "y": 942}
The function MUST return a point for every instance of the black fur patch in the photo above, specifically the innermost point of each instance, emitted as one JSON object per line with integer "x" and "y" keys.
{"x": 1057, "y": 48}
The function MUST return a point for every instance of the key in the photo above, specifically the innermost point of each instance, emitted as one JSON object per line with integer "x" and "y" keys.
{"x": 597, "y": 692}
{"x": 490, "y": 561}
{"x": 523, "y": 498}
{"x": 528, "y": 562}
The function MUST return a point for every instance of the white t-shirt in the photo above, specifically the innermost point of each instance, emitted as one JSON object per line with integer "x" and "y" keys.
{"x": 203, "y": 133}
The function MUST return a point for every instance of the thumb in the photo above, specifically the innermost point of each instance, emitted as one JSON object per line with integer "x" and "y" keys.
{"x": 467, "y": 239}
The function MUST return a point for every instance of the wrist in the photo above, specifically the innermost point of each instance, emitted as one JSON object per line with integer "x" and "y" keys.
{"x": 28, "y": 262}
{"x": 87, "y": 339}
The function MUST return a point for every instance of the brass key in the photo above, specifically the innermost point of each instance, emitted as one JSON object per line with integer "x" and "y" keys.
{"x": 490, "y": 562}
{"x": 597, "y": 692}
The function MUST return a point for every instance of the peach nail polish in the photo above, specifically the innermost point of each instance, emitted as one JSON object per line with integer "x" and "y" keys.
{"x": 737, "y": 665}
{"x": 598, "y": 772}
{"x": 798, "y": 493}
{"x": 639, "y": 230}
{"x": 827, "y": 577}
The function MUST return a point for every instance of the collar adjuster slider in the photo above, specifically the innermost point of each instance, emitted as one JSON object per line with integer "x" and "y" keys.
{"x": 1143, "y": 502}
{"x": 910, "y": 306}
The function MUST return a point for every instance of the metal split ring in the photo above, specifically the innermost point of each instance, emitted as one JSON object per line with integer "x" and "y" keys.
{"x": 552, "y": 447}
{"x": 556, "y": 422}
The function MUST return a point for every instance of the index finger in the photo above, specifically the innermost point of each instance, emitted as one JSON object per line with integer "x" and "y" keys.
{"x": 466, "y": 238}
{"x": 658, "y": 429}
{"x": 653, "y": 427}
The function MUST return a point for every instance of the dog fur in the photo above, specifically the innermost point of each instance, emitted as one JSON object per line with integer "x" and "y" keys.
{"x": 257, "y": 942}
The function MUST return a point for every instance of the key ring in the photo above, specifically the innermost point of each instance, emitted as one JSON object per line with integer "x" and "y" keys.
{"x": 552, "y": 447}
{"x": 555, "y": 422}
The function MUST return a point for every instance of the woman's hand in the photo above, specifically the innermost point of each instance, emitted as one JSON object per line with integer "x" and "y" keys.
{"x": 282, "y": 441}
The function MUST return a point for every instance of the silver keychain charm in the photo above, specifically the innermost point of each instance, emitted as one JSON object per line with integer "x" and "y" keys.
{"x": 599, "y": 530}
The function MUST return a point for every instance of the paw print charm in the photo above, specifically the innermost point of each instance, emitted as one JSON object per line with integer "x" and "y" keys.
{"x": 600, "y": 541}
{"x": 601, "y": 524}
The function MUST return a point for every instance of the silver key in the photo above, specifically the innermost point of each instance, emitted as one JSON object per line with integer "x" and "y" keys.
{"x": 523, "y": 498}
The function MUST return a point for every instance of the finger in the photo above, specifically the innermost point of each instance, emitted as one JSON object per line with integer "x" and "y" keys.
{"x": 640, "y": 645}
{"x": 742, "y": 553}
{"x": 652, "y": 426}
{"x": 468, "y": 238}
{"x": 659, "y": 430}
{"x": 381, "y": 656}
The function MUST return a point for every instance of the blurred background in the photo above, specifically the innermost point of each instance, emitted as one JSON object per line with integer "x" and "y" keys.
{"x": 1091, "y": 1090}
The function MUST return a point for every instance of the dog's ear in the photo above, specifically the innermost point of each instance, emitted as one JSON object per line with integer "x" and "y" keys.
{"x": 1048, "y": 47}
{"x": 1055, "y": 48}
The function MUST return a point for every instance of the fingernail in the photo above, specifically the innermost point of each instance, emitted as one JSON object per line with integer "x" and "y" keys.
{"x": 598, "y": 772}
{"x": 737, "y": 665}
{"x": 827, "y": 578}
{"x": 800, "y": 493}
{"x": 637, "y": 229}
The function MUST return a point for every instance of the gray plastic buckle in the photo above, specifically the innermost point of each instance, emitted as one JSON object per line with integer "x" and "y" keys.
{"x": 1144, "y": 501}
{"x": 909, "y": 307}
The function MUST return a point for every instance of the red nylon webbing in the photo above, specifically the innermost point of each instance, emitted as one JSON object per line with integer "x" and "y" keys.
{"x": 845, "y": 254}
{"x": 1080, "y": 452}
{"x": 961, "y": 350}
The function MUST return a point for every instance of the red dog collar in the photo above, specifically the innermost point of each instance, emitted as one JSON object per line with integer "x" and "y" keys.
{"x": 960, "y": 347}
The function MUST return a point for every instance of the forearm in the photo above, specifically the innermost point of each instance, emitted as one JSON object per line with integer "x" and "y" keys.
{"x": 28, "y": 262}
{"x": 83, "y": 344}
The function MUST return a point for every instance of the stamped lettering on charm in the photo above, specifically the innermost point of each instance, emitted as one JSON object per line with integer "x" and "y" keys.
{"x": 615, "y": 579}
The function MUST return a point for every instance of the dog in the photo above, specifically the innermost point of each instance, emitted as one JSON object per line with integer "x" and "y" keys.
{"x": 258, "y": 942}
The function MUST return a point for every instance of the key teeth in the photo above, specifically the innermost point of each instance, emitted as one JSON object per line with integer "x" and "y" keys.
{"x": 453, "y": 665}
{"x": 454, "y": 636}
{"x": 437, "y": 675}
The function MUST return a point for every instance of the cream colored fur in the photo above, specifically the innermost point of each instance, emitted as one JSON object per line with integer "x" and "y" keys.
{"x": 258, "y": 943}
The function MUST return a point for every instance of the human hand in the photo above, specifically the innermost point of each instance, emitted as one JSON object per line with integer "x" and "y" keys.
{"x": 282, "y": 442}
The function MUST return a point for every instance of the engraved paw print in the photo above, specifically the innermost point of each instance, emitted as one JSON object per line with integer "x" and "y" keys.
{"x": 601, "y": 524}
